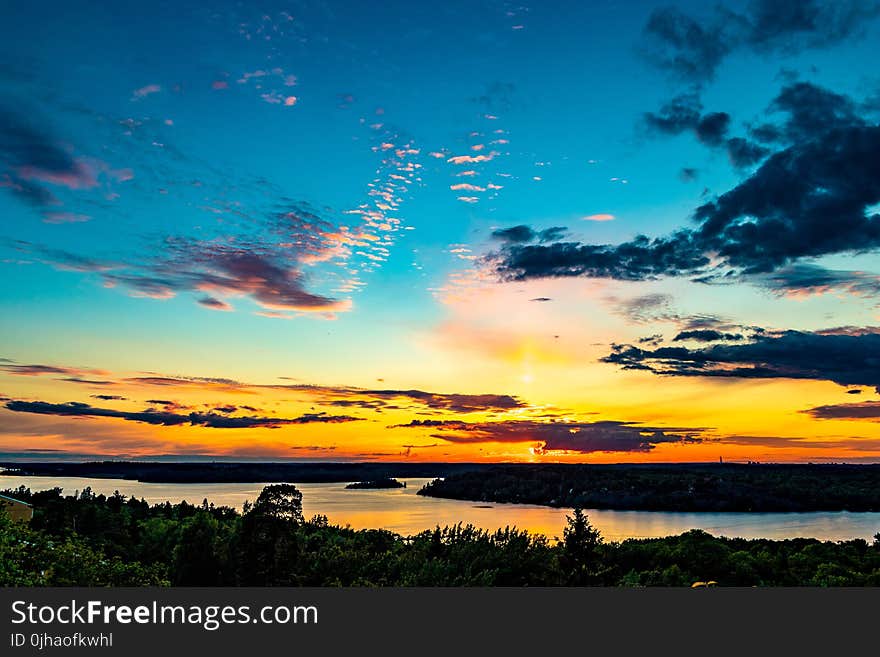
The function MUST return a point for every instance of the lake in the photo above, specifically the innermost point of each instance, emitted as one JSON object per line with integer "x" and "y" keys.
{"x": 402, "y": 511}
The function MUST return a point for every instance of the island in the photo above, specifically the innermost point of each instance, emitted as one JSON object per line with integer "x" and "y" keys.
{"x": 385, "y": 482}
{"x": 670, "y": 487}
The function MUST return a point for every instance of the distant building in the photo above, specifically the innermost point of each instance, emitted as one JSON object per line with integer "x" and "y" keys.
{"x": 16, "y": 509}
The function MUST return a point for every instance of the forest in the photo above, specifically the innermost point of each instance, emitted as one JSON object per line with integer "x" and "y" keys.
{"x": 97, "y": 540}
{"x": 669, "y": 487}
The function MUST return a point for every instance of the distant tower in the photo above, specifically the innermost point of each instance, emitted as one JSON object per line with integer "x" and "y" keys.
{"x": 721, "y": 459}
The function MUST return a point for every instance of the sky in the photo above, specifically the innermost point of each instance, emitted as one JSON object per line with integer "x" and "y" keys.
{"x": 458, "y": 231}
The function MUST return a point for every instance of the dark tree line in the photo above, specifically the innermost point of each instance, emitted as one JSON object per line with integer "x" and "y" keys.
{"x": 95, "y": 540}
{"x": 686, "y": 487}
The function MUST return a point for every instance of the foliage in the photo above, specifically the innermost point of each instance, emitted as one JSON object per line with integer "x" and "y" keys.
{"x": 97, "y": 540}
{"x": 670, "y": 487}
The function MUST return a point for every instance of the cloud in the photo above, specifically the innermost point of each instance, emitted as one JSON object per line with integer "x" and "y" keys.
{"x": 65, "y": 218}
{"x": 809, "y": 199}
{"x": 640, "y": 259}
{"x": 694, "y": 49}
{"x": 215, "y": 304}
{"x": 188, "y": 265}
{"x": 522, "y": 233}
{"x": 145, "y": 91}
{"x": 684, "y": 114}
{"x": 472, "y": 159}
{"x": 164, "y": 418}
{"x": 688, "y": 174}
{"x": 869, "y": 410}
{"x": 550, "y": 437}
{"x": 707, "y": 335}
{"x": 839, "y": 357}
{"x": 455, "y": 402}
{"x": 806, "y": 279}
{"x": 514, "y": 234}
{"x": 39, "y": 370}
{"x": 347, "y": 395}
{"x": 599, "y": 217}
{"x": 30, "y": 154}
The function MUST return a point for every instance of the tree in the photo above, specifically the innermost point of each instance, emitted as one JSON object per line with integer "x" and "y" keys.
{"x": 281, "y": 501}
{"x": 581, "y": 544}
{"x": 269, "y": 547}
{"x": 195, "y": 560}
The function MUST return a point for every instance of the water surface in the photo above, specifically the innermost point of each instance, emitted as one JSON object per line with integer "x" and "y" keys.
{"x": 401, "y": 510}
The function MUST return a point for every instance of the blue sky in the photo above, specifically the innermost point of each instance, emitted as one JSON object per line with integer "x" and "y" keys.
{"x": 315, "y": 190}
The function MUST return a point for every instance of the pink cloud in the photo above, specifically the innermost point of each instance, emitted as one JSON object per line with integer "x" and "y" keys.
{"x": 467, "y": 187}
{"x": 219, "y": 84}
{"x": 80, "y": 176}
{"x": 290, "y": 101}
{"x": 468, "y": 199}
{"x": 143, "y": 92}
{"x": 471, "y": 159}
{"x": 273, "y": 315}
{"x": 599, "y": 217}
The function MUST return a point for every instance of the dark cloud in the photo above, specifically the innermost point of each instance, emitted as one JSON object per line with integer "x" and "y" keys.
{"x": 74, "y": 374}
{"x": 681, "y": 44}
{"x": 214, "y": 304}
{"x": 108, "y": 397}
{"x": 679, "y": 115}
{"x": 514, "y": 234}
{"x": 688, "y": 174}
{"x": 812, "y": 111}
{"x": 165, "y": 418}
{"x": 552, "y": 233}
{"x": 342, "y": 396}
{"x": 522, "y": 233}
{"x": 807, "y": 200}
{"x": 194, "y": 381}
{"x": 810, "y": 199}
{"x": 455, "y": 402}
{"x": 543, "y": 299}
{"x": 693, "y": 48}
{"x": 683, "y": 114}
{"x": 582, "y": 437}
{"x": 28, "y": 151}
{"x": 712, "y": 128}
{"x": 707, "y": 335}
{"x": 844, "y": 359}
{"x": 869, "y": 410}
{"x": 807, "y": 278}
{"x": 230, "y": 269}
{"x": 789, "y": 26}
{"x": 642, "y": 258}
{"x": 744, "y": 153}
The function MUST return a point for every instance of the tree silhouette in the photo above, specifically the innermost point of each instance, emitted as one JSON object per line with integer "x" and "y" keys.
{"x": 581, "y": 544}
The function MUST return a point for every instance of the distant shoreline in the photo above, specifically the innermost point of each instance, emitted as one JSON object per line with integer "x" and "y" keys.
{"x": 621, "y": 487}
{"x": 688, "y": 488}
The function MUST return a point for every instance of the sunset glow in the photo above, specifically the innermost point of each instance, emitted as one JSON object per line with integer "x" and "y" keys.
{"x": 383, "y": 233}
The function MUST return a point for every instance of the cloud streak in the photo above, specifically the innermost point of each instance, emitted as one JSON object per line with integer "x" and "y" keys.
{"x": 554, "y": 437}
{"x": 164, "y": 418}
